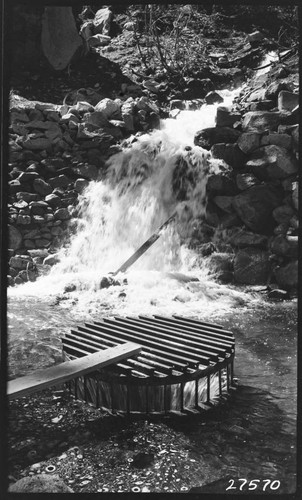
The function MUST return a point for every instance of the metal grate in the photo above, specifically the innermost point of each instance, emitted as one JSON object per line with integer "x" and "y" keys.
{"x": 176, "y": 351}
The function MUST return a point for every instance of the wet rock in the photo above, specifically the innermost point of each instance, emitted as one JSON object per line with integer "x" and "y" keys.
{"x": 287, "y": 276}
{"x": 40, "y": 483}
{"x": 295, "y": 194}
{"x": 28, "y": 197}
{"x": 251, "y": 266}
{"x": 62, "y": 214}
{"x": 248, "y": 142}
{"x": 14, "y": 237}
{"x": 207, "y": 137}
{"x": 99, "y": 40}
{"x": 245, "y": 181}
{"x": 255, "y": 207}
{"x": 127, "y": 111}
{"x": 245, "y": 239}
{"x": 26, "y": 177}
{"x": 198, "y": 89}
{"x": 295, "y": 138}
{"x": 38, "y": 207}
{"x": 38, "y": 143}
{"x": 274, "y": 88}
{"x": 24, "y": 220}
{"x": 224, "y": 202}
{"x": 259, "y": 121}
{"x": 14, "y": 186}
{"x": 106, "y": 282}
{"x": 230, "y": 153}
{"x": 220, "y": 262}
{"x": 265, "y": 105}
{"x": 277, "y": 294}
{"x": 52, "y": 259}
{"x": 42, "y": 187}
{"x": 109, "y": 108}
{"x": 225, "y": 117}
{"x": 53, "y": 200}
{"x": 287, "y": 101}
{"x": 89, "y": 172}
{"x": 272, "y": 162}
{"x": 221, "y": 184}
{"x": 80, "y": 185}
{"x": 213, "y": 97}
{"x": 281, "y": 140}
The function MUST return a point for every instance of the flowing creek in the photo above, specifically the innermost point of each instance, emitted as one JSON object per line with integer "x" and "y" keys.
{"x": 253, "y": 435}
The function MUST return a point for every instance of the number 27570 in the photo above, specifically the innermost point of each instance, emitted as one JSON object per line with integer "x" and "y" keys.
{"x": 262, "y": 484}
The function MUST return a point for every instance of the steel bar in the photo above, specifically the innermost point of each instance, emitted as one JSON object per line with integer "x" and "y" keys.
{"x": 228, "y": 376}
{"x": 192, "y": 320}
{"x": 163, "y": 340}
{"x": 165, "y": 399}
{"x": 172, "y": 331}
{"x": 220, "y": 382}
{"x": 181, "y": 397}
{"x": 97, "y": 393}
{"x": 170, "y": 352}
{"x": 198, "y": 326}
{"x": 168, "y": 335}
{"x": 196, "y": 393}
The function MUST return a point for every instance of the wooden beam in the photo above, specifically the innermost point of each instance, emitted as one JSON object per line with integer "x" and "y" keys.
{"x": 59, "y": 374}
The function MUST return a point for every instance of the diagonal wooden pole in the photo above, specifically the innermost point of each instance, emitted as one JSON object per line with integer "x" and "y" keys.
{"x": 142, "y": 249}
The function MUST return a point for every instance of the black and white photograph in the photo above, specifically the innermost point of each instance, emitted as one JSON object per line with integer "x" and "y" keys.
{"x": 150, "y": 244}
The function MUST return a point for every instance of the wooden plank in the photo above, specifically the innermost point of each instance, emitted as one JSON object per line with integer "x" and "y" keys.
{"x": 59, "y": 374}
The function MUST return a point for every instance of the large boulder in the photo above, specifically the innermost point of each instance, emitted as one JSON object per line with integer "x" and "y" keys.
{"x": 248, "y": 142}
{"x": 255, "y": 207}
{"x": 230, "y": 153}
{"x": 272, "y": 162}
{"x": 243, "y": 239}
{"x": 60, "y": 38}
{"x": 207, "y": 137}
{"x": 225, "y": 117}
{"x": 251, "y": 267}
{"x": 259, "y": 121}
{"x": 40, "y": 483}
{"x": 287, "y": 101}
{"x": 287, "y": 276}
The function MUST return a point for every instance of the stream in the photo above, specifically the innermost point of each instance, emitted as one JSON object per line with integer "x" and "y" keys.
{"x": 252, "y": 436}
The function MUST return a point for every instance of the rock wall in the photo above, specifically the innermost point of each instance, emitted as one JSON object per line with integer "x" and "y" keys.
{"x": 54, "y": 151}
{"x": 253, "y": 200}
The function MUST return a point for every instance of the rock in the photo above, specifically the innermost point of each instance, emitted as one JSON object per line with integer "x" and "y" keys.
{"x": 97, "y": 118}
{"x": 102, "y": 21}
{"x": 28, "y": 197}
{"x": 283, "y": 214}
{"x": 62, "y": 214}
{"x": 295, "y": 195}
{"x": 24, "y": 220}
{"x": 224, "y": 203}
{"x": 145, "y": 104}
{"x": 248, "y": 142}
{"x": 40, "y": 483}
{"x": 53, "y": 200}
{"x": 89, "y": 172}
{"x": 255, "y": 207}
{"x": 259, "y": 121}
{"x": 60, "y": 181}
{"x": 213, "y": 97}
{"x": 225, "y": 117}
{"x": 256, "y": 95}
{"x": 20, "y": 205}
{"x": 106, "y": 282}
{"x": 127, "y": 111}
{"x": 281, "y": 140}
{"x": 80, "y": 185}
{"x": 14, "y": 186}
{"x": 60, "y": 40}
{"x": 176, "y": 104}
{"x": 38, "y": 207}
{"x": 198, "y": 89}
{"x": 287, "y": 101}
{"x": 245, "y": 181}
{"x": 255, "y": 37}
{"x": 245, "y": 239}
{"x": 37, "y": 143}
{"x": 272, "y": 162}
{"x": 277, "y": 294}
{"x": 274, "y": 89}
{"x": 14, "y": 237}
{"x": 221, "y": 184}
{"x": 27, "y": 177}
{"x": 287, "y": 276}
{"x": 295, "y": 138}
{"x": 219, "y": 262}
{"x": 251, "y": 267}
{"x": 99, "y": 40}
{"x": 207, "y": 137}
{"x": 265, "y": 105}
{"x": 52, "y": 259}
{"x": 19, "y": 262}
{"x": 230, "y": 153}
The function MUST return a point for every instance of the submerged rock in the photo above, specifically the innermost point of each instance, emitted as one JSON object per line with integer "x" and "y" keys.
{"x": 251, "y": 266}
